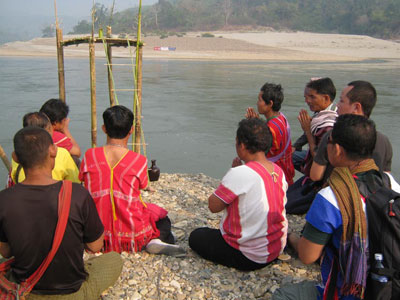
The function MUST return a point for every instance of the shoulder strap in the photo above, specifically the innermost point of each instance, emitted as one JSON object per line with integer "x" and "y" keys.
{"x": 17, "y": 173}
{"x": 370, "y": 182}
{"x": 64, "y": 204}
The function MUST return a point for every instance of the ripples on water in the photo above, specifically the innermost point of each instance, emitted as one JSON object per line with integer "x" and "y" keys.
{"x": 190, "y": 108}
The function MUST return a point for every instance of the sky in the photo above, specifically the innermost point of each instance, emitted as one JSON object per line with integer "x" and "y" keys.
{"x": 74, "y": 8}
{"x": 24, "y": 19}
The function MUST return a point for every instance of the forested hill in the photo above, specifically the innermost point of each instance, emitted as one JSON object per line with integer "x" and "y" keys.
{"x": 379, "y": 18}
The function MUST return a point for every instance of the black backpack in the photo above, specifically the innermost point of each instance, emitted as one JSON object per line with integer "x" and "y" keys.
{"x": 383, "y": 211}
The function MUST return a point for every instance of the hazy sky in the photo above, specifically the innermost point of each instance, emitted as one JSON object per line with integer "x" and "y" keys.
{"x": 77, "y": 8}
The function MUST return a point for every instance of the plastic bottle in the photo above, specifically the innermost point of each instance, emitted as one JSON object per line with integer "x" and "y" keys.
{"x": 379, "y": 265}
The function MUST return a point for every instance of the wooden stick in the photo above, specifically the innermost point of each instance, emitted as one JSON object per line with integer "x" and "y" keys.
{"x": 93, "y": 93}
{"x": 55, "y": 12}
{"x": 111, "y": 89}
{"x": 138, "y": 77}
{"x": 5, "y": 159}
{"x": 138, "y": 117}
{"x": 60, "y": 60}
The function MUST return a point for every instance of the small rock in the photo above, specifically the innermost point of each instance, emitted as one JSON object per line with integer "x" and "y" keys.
{"x": 274, "y": 288}
{"x": 175, "y": 284}
{"x": 301, "y": 271}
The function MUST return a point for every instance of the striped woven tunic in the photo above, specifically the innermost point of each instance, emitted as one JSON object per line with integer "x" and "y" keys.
{"x": 254, "y": 221}
{"x": 129, "y": 223}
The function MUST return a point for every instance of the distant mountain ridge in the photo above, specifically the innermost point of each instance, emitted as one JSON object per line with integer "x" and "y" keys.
{"x": 26, "y": 27}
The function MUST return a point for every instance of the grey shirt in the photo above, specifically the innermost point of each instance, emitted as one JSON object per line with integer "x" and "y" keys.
{"x": 382, "y": 154}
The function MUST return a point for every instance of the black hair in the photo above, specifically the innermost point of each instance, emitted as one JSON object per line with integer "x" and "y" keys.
{"x": 364, "y": 93}
{"x": 118, "y": 121}
{"x": 273, "y": 92}
{"x": 356, "y": 134}
{"x": 31, "y": 146}
{"x": 254, "y": 134}
{"x": 55, "y": 109}
{"x": 323, "y": 86}
{"x": 38, "y": 119}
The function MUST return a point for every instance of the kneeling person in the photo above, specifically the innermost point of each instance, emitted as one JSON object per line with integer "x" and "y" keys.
{"x": 114, "y": 176}
{"x": 64, "y": 166}
{"x": 252, "y": 196}
{"x": 335, "y": 208}
{"x": 28, "y": 217}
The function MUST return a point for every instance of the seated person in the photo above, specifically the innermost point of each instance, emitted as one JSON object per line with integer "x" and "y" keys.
{"x": 64, "y": 167}
{"x": 28, "y": 218}
{"x": 358, "y": 98}
{"x": 336, "y": 207}
{"x": 269, "y": 103}
{"x": 252, "y": 197}
{"x": 114, "y": 177}
{"x": 57, "y": 111}
{"x": 319, "y": 95}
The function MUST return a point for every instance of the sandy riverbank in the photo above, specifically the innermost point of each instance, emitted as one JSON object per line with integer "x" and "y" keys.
{"x": 266, "y": 45}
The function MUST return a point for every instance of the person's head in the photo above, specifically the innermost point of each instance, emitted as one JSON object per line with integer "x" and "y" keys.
{"x": 352, "y": 139}
{"x": 358, "y": 97}
{"x": 56, "y": 110}
{"x": 270, "y": 96}
{"x": 319, "y": 93}
{"x": 38, "y": 119}
{"x": 32, "y": 146}
{"x": 118, "y": 121}
{"x": 254, "y": 135}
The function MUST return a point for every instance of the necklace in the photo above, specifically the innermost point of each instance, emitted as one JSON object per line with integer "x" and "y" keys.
{"x": 273, "y": 174}
{"x": 116, "y": 145}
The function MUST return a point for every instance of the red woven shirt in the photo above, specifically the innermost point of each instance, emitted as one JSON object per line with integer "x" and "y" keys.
{"x": 281, "y": 142}
{"x": 129, "y": 223}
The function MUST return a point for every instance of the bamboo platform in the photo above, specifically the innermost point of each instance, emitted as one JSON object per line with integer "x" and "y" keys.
{"x": 114, "y": 42}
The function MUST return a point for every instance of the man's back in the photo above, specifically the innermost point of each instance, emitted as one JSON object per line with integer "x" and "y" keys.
{"x": 28, "y": 217}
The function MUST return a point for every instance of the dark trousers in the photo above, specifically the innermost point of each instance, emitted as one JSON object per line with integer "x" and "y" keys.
{"x": 210, "y": 244}
{"x": 164, "y": 226}
{"x": 300, "y": 196}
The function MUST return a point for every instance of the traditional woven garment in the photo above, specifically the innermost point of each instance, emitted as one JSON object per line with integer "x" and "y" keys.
{"x": 128, "y": 222}
{"x": 353, "y": 252}
{"x": 281, "y": 149}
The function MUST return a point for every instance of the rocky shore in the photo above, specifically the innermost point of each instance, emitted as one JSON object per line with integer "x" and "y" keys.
{"x": 146, "y": 276}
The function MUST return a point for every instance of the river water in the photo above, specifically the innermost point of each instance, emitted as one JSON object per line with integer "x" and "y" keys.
{"x": 190, "y": 108}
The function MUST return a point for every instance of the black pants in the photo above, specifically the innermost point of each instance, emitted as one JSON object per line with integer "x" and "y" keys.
{"x": 300, "y": 196}
{"x": 164, "y": 226}
{"x": 210, "y": 244}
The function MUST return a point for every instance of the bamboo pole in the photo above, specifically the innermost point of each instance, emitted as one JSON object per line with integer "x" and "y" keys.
{"x": 138, "y": 93}
{"x": 109, "y": 69}
{"x": 60, "y": 60}
{"x": 5, "y": 159}
{"x": 138, "y": 117}
{"x": 60, "y": 57}
{"x": 93, "y": 93}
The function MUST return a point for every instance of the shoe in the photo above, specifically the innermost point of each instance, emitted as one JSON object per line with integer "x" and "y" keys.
{"x": 156, "y": 246}
{"x": 174, "y": 236}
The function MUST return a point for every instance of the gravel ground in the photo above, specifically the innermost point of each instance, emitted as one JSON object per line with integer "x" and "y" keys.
{"x": 147, "y": 276}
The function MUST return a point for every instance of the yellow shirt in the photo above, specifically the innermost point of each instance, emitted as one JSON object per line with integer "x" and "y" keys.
{"x": 64, "y": 168}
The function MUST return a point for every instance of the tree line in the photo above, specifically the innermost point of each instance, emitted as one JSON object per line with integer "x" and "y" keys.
{"x": 379, "y": 18}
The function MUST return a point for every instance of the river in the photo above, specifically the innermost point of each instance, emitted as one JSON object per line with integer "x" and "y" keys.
{"x": 190, "y": 108}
